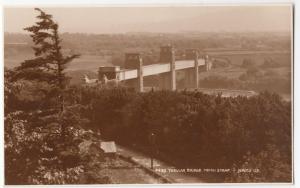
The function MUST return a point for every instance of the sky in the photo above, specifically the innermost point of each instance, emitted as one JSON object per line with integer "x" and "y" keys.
{"x": 156, "y": 19}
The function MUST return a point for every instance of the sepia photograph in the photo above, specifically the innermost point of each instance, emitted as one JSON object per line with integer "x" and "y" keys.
{"x": 185, "y": 94}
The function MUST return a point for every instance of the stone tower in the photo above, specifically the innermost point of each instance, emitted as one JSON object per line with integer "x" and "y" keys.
{"x": 133, "y": 60}
{"x": 190, "y": 54}
{"x": 166, "y": 54}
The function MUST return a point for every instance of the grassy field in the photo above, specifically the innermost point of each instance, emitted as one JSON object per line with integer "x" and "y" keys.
{"x": 84, "y": 62}
{"x": 258, "y": 57}
{"x": 231, "y": 70}
{"x": 89, "y": 62}
{"x": 13, "y": 61}
{"x": 235, "y": 60}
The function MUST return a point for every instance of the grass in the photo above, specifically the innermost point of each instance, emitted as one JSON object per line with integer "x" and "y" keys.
{"x": 85, "y": 62}
{"x": 89, "y": 62}
{"x": 234, "y": 70}
{"x": 258, "y": 59}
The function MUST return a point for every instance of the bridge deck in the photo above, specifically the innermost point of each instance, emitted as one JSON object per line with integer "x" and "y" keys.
{"x": 154, "y": 69}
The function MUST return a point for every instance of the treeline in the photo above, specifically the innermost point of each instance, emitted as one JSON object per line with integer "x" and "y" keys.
{"x": 197, "y": 130}
{"x": 107, "y": 44}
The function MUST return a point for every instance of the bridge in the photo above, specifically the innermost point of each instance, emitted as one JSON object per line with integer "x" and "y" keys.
{"x": 134, "y": 71}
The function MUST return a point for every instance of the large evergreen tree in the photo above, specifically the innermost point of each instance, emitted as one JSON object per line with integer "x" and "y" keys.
{"x": 48, "y": 65}
{"x": 49, "y": 62}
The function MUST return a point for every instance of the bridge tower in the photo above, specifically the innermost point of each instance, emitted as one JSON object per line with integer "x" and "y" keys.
{"x": 167, "y": 55}
{"x": 191, "y": 79}
{"x": 207, "y": 63}
{"x": 111, "y": 72}
{"x": 135, "y": 61}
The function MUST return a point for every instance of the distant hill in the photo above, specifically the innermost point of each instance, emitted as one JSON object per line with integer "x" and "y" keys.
{"x": 19, "y": 45}
{"x": 106, "y": 49}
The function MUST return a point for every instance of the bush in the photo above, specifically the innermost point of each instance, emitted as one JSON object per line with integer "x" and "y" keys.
{"x": 197, "y": 130}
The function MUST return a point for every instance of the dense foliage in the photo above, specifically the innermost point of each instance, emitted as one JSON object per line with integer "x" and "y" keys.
{"x": 49, "y": 62}
{"x": 35, "y": 150}
{"x": 191, "y": 130}
{"x": 197, "y": 130}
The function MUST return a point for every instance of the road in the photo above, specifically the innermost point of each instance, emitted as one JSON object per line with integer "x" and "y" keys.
{"x": 159, "y": 166}
{"x": 121, "y": 171}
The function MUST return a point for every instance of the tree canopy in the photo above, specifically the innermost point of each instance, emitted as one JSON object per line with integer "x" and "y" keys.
{"x": 49, "y": 62}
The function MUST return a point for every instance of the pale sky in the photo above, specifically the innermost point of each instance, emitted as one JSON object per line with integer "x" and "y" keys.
{"x": 156, "y": 19}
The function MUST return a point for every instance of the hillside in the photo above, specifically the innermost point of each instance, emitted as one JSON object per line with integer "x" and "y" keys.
{"x": 268, "y": 52}
{"x": 18, "y": 46}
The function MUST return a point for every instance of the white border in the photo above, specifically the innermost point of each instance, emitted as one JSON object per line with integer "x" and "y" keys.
{"x": 88, "y": 3}
{"x": 138, "y": 2}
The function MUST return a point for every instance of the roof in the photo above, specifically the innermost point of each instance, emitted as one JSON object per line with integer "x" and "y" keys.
{"x": 109, "y": 147}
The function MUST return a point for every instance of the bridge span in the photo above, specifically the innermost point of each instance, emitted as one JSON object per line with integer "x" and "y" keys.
{"x": 134, "y": 71}
{"x": 149, "y": 70}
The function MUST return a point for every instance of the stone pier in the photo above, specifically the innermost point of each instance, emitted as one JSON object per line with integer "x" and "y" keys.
{"x": 135, "y": 61}
{"x": 168, "y": 80}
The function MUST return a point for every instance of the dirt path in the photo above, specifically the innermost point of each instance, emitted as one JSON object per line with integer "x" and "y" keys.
{"x": 123, "y": 172}
{"x": 163, "y": 169}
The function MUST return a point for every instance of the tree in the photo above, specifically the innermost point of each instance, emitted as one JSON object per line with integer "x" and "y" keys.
{"x": 49, "y": 62}
{"x": 42, "y": 141}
